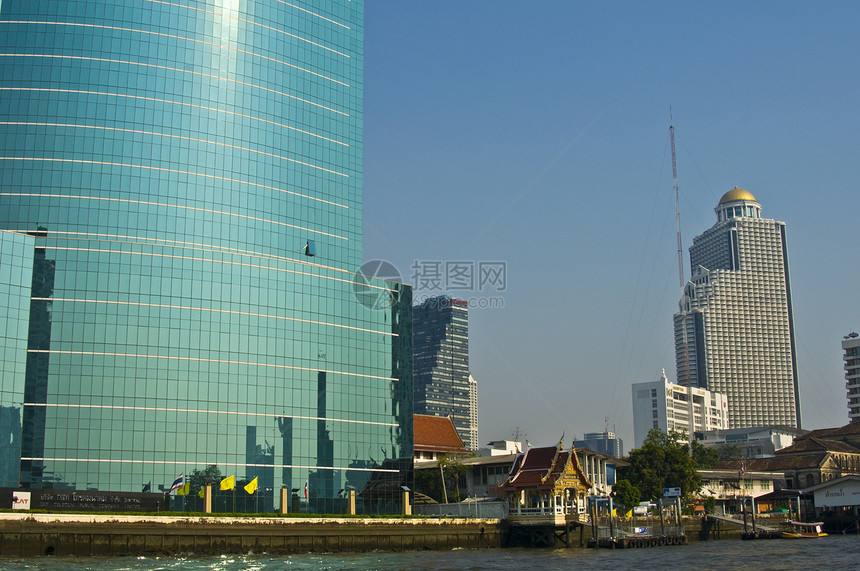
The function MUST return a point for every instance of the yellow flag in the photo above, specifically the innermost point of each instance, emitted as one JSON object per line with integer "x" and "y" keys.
{"x": 184, "y": 490}
{"x": 202, "y": 493}
{"x": 228, "y": 483}
{"x": 252, "y": 486}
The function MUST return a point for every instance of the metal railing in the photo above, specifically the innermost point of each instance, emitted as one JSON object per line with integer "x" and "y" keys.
{"x": 478, "y": 510}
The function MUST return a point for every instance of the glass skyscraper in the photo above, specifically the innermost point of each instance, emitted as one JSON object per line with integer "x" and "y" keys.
{"x": 443, "y": 385}
{"x": 180, "y": 195}
{"x": 734, "y": 333}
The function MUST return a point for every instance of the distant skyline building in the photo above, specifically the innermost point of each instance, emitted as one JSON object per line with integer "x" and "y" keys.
{"x": 604, "y": 442}
{"x": 666, "y": 405}
{"x": 443, "y": 385}
{"x": 734, "y": 333}
{"x": 472, "y": 437}
{"x": 851, "y": 363}
{"x": 180, "y": 224}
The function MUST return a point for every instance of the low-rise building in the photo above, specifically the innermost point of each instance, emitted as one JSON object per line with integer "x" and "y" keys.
{"x": 815, "y": 457}
{"x": 754, "y": 442}
{"x": 837, "y": 500}
{"x": 500, "y": 448}
{"x": 729, "y": 488}
{"x": 433, "y": 436}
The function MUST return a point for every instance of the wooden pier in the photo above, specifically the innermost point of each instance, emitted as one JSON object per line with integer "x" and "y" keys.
{"x": 633, "y": 542}
{"x": 550, "y": 530}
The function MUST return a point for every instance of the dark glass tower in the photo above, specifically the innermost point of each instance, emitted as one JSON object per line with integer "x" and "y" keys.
{"x": 186, "y": 178}
{"x": 441, "y": 364}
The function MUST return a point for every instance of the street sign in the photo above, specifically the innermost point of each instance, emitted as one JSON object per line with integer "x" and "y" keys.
{"x": 672, "y": 492}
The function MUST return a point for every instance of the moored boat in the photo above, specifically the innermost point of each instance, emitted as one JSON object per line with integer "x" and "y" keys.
{"x": 802, "y": 530}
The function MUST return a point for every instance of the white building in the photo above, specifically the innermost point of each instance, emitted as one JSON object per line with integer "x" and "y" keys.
{"x": 500, "y": 448}
{"x": 851, "y": 346}
{"x": 734, "y": 333}
{"x": 729, "y": 488}
{"x": 472, "y": 437}
{"x": 665, "y": 405}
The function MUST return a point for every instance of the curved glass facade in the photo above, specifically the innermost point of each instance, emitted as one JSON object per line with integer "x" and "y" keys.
{"x": 189, "y": 175}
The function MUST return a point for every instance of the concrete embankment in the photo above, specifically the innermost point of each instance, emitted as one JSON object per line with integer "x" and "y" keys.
{"x": 84, "y": 535}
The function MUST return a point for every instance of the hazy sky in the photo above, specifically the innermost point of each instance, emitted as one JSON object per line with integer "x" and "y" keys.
{"x": 537, "y": 134}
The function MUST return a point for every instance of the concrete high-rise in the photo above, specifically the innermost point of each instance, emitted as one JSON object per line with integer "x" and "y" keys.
{"x": 851, "y": 363}
{"x": 441, "y": 365}
{"x": 182, "y": 206}
{"x": 734, "y": 333}
{"x": 667, "y": 406}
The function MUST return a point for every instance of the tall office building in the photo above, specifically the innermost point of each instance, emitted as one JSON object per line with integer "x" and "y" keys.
{"x": 735, "y": 319}
{"x": 851, "y": 363}
{"x": 181, "y": 213}
{"x": 441, "y": 365}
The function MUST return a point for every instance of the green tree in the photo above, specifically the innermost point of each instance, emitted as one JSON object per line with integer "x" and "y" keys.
{"x": 626, "y": 495}
{"x": 663, "y": 461}
{"x": 703, "y": 456}
{"x": 209, "y": 475}
{"x": 730, "y": 452}
{"x": 454, "y": 467}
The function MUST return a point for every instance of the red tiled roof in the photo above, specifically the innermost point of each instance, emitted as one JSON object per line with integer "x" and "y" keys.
{"x": 852, "y": 429}
{"x": 436, "y": 433}
{"x": 775, "y": 464}
{"x": 814, "y": 444}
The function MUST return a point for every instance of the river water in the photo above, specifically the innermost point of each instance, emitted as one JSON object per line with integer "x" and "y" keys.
{"x": 830, "y": 553}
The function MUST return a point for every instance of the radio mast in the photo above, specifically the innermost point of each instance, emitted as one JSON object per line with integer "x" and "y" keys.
{"x": 681, "y": 279}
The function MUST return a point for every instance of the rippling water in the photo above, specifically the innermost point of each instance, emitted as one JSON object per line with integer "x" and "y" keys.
{"x": 834, "y": 552}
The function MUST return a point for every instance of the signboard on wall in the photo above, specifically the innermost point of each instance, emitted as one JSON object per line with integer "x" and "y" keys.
{"x": 81, "y": 500}
{"x": 20, "y": 500}
{"x": 839, "y": 494}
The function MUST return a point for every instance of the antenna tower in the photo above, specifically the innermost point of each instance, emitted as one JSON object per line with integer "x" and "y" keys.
{"x": 677, "y": 207}
{"x": 681, "y": 279}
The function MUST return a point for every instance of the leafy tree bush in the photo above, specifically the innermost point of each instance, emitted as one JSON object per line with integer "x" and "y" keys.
{"x": 663, "y": 461}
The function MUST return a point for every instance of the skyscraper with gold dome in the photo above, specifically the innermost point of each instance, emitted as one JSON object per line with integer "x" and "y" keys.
{"x": 734, "y": 333}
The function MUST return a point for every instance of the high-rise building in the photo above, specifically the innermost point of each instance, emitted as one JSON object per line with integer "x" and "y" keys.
{"x": 604, "y": 442}
{"x": 441, "y": 365}
{"x": 666, "y": 405}
{"x": 473, "y": 412}
{"x": 181, "y": 216}
{"x": 734, "y": 333}
{"x": 851, "y": 358}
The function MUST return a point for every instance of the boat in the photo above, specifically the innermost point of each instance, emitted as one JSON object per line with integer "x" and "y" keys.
{"x": 801, "y": 530}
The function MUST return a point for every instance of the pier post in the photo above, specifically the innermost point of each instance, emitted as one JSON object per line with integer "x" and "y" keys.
{"x": 285, "y": 506}
{"x": 407, "y": 507}
{"x": 207, "y": 498}
{"x": 752, "y": 506}
{"x": 660, "y": 507}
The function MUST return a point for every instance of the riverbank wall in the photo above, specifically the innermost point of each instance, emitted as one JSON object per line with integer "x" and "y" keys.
{"x": 25, "y": 535}
{"x": 64, "y": 534}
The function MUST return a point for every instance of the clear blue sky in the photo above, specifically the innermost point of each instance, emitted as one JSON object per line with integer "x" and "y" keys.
{"x": 536, "y": 133}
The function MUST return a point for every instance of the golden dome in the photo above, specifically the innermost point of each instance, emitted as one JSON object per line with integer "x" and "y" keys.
{"x": 737, "y": 194}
